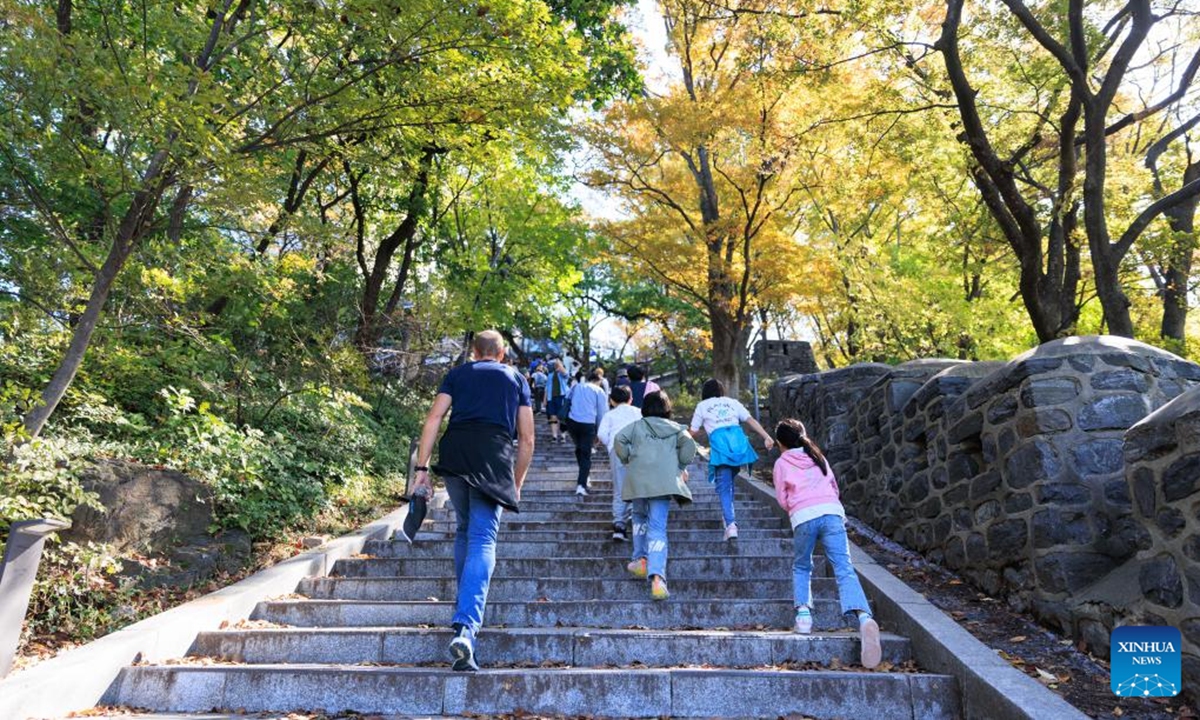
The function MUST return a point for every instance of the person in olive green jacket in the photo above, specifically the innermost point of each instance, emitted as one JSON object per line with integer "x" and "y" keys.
{"x": 656, "y": 453}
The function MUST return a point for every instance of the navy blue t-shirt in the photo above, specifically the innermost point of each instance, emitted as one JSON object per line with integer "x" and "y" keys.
{"x": 486, "y": 392}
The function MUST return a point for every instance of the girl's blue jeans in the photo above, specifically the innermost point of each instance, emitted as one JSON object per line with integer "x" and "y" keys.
{"x": 723, "y": 479}
{"x": 830, "y": 530}
{"x": 650, "y": 533}
{"x": 474, "y": 550}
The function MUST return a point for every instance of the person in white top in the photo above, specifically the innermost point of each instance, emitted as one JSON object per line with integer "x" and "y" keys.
{"x": 721, "y": 418}
{"x": 622, "y": 414}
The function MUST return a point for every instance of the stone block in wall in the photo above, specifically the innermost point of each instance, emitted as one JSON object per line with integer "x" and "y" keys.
{"x": 1099, "y": 457}
{"x": 1112, "y": 412}
{"x": 1056, "y": 526}
{"x": 1044, "y": 392}
{"x": 1035, "y": 461}
{"x": 1063, "y": 572}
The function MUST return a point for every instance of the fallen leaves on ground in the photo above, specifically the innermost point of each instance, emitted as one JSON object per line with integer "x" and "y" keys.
{"x": 255, "y": 625}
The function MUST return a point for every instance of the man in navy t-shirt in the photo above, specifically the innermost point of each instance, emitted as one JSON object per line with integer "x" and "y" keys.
{"x": 486, "y": 391}
{"x": 488, "y": 402}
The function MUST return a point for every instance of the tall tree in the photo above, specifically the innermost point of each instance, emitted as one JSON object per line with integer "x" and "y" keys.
{"x": 1082, "y": 56}
{"x": 1171, "y": 266}
{"x": 710, "y": 170}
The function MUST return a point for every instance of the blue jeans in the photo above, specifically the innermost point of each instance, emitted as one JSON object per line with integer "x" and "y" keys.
{"x": 650, "y": 533}
{"x": 621, "y": 510}
{"x": 831, "y": 531}
{"x": 474, "y": 550}
{"x": 723, "y": 478}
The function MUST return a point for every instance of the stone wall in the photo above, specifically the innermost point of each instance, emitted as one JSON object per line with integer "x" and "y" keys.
{"x": 1014, "y": 474}
{"x": 780, "y": 357}
{"x": 1162, "y": 465}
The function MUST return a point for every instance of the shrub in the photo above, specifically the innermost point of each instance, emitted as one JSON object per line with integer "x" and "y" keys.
{"x": 40, "y": 479}
{"x": 78, "y": 593}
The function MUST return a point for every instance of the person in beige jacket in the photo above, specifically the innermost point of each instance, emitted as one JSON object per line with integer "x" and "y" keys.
{"x": 656, "y": 453}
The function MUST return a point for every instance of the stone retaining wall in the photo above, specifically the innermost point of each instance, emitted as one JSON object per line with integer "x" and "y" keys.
{"x": 1015, "y": 474}
{"x": 1162, "y": 466}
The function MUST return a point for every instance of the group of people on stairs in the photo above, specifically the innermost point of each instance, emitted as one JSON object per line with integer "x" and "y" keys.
{"x": 490, "y": 404}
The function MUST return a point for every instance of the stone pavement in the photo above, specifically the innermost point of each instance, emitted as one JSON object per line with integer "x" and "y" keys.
{"x": 567, "y": 632}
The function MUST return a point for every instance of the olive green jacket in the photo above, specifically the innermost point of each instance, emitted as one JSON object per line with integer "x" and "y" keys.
{"x": 655, "y": 452}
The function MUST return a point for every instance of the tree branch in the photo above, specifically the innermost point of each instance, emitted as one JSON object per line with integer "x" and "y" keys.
{"x": 1148, "y": 215}
{"x": 1046, "y": 40}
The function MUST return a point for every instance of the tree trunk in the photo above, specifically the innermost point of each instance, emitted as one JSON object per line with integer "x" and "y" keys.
{"x": 586, "y": 327}
{"x": 1178, "y": 272}
{"x": 728, "y": 351}
{"x": 1106, "y": 263}
{"x": 1049, "y": 272}
{"x": 1175, "y": 301}
{"x": 133, "y": 226}
{"x": 366, "y": 337}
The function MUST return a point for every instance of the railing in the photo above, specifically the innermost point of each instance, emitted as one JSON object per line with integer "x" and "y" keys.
{"x": 22, "y": 553}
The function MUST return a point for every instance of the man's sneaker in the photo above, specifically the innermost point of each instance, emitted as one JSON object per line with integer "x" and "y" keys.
{"x": 803, "y": 621}
{"x": 462, "y": 650}
{"x": 637, "y": 568}
{"x": 618, "y": 533}
{"x": 868, "y": 630}
{"x": 581, "y": 491}
{"x": 731, "y": 531}
{"x": 658, "y": 589}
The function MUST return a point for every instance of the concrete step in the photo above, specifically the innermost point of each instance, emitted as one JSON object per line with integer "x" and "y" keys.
{"x": 537, "y": 492}
{"x": 594, "y": 692}
{"x": 517, "y": 524}
{"x": 531, "y": 513}
{"x": 127, "y": 714}
{"x": 634, "y": 612}
{"x": 549, "y": 588}
{"x": 605, "y": 536}
{"x": 715, "y": 567}
{"x": 603, "y": 504}
{"x": 560, "y": 646}
{"x": 604, "y": 546}
{"x": 701, "y": 491}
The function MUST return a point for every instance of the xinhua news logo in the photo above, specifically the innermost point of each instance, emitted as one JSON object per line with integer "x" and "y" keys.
{"x": 1146, "y": 661}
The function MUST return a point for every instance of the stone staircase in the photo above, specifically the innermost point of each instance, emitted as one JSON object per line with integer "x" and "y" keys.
{"x": 567, "y": 631}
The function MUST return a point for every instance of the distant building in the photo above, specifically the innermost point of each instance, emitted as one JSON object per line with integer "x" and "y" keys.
{"x": 783, "y": 357}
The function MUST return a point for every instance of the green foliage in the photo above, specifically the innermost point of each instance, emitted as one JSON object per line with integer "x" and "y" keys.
{"x": 78, "y": 593}
{"x": 301, "y": 458}
{"x": 40, "y": 479}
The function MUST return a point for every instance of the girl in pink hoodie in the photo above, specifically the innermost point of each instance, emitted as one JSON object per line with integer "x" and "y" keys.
{"x": 806, "y": 488}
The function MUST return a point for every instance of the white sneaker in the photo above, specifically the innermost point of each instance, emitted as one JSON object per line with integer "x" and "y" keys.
{"x": 731, "y": 531}
{"x": 581, "y": 491}
{"x": 803, "y": 621}
{"x": 868, "y": 631}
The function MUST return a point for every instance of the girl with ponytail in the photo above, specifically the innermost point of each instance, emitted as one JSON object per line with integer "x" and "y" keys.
{"x": 806, "y": 488}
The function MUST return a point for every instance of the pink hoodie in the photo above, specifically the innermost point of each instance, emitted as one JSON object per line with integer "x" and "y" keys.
{"x": 803, "y": 490}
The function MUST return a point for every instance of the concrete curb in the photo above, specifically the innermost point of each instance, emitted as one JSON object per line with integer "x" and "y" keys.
{"x": 990, "y": 688}
{"x": 77, "y": 679}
